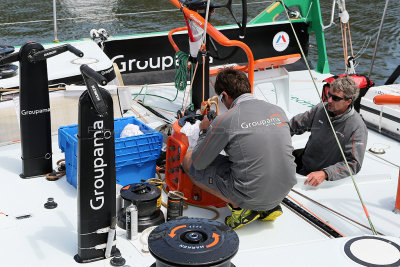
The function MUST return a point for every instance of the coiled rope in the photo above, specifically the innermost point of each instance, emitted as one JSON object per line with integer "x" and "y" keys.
{"x": 181, "y": 70}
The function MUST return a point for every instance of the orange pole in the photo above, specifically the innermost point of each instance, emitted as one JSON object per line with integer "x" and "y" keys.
{"x": 397, "y": 205}
{"x": 387, "y": 100}
{"x": 219, "y": 37}
{"x": 391, "y": 100}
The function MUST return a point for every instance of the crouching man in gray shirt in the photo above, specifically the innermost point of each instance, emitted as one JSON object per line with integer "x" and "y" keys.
{"x": 259, "y": 169}
{"x": 322, "y": 159}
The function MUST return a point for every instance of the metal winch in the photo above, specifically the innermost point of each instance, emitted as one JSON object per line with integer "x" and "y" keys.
{"x": 144, "y": 196}
{"x": 193, "y": 242}
{"x": 7, "y": 70}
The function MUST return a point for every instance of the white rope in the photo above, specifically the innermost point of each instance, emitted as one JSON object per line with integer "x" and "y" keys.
{"x": 309, "y": 9}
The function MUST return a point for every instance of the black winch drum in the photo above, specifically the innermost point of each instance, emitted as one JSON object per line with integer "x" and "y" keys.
{"x": 7, "y": 70}
{"x": 193, "y": 242}
{"x": 5, "y": 50}
{"x": 144, "y": 196}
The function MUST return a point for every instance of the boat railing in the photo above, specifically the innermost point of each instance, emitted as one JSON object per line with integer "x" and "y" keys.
{"x": 217, "y": 36}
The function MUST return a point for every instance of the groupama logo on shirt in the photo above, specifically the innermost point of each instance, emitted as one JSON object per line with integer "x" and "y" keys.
{"x": 273, "y": 120}
{"x": 281, "y": 41}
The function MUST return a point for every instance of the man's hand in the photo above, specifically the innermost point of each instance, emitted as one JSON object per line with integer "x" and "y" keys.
{"x": 315, "y": 178}
{"x": 205, "y": 123}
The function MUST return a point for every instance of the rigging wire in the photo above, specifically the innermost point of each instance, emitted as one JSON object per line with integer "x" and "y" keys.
{"x": 377, "y": 38}
{"x": 309, "y": 9}
{"x": 363, "y": 47}
{"x": 206, "y": 24}
{"x": 331, "y": 125}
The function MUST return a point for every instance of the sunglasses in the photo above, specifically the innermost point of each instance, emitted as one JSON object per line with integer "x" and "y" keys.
{"x": 336, "y": 98}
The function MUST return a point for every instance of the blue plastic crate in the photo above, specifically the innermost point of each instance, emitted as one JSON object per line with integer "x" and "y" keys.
{"x": 135, "y": 156}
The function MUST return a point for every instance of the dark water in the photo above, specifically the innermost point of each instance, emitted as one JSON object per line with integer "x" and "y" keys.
{"x": 123, "y": 17}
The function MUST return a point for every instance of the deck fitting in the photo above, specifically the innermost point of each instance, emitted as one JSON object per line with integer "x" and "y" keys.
{"x": 50, "y": 204}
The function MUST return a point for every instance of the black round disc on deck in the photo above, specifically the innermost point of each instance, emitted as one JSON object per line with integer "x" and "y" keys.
{"x": 8, "y": 71}
{"x": 5, "y": 50}
{"x": 193, "y": 242}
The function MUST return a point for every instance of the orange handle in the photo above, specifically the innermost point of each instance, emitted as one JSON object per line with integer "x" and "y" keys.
{"x": 171, "y": 40}
{"x": 397, "y": 205}
{"x": 387, "y": 100}
{"x": 219, "y": 37}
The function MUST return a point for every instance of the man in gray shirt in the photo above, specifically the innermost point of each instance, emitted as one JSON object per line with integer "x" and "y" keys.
{"x": 321, "y": 159}
{"x": 259, "y": 170}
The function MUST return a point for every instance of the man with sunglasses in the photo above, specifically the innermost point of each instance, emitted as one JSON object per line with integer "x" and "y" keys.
{"x": 258, "y": 170}
{"x": 321, "y": 159}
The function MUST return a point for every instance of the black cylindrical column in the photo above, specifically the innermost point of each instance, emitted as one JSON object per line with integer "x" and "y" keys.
{"x": 35, "y": 125}
{"x": 34, "y": 115}
{"x": 96, "y": 174}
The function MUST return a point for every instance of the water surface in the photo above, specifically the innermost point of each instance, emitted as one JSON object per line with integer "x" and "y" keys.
{"x": 124, "y": 17}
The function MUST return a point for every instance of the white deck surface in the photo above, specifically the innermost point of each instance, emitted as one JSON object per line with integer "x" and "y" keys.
{"x": 49, "y": 237}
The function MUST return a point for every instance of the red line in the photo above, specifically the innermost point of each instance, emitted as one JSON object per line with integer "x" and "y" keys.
{"x": 315, "y": 215}
{"x": 366, "y": 211}
{"x": 345, "y": 167}
{"x": 277, "y": 114}
{"x": 397, "y": 205}
{"x": 283, "y": 38}
{"x": 189, "y": 30}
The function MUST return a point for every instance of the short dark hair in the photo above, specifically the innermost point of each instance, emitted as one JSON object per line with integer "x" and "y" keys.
{"x": 233, "y": 82}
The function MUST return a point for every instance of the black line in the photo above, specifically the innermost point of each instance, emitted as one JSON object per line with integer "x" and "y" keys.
{"x": 377, "y": 112}
{"x": 312, "y": 219}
